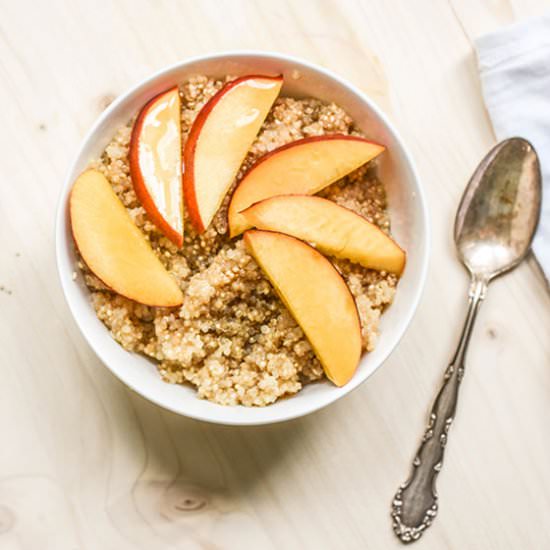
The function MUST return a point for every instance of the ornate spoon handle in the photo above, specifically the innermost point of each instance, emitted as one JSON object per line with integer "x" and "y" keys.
{"x": 414, "y": 506}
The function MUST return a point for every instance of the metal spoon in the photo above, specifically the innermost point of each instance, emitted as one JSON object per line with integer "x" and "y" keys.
{"x": 494, "y": 227}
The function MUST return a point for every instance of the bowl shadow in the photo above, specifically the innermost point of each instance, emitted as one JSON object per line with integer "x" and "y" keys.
{"x": 196, "y": 475}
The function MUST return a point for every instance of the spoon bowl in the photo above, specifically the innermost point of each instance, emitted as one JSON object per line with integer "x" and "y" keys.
{"x": 500, "y": 209}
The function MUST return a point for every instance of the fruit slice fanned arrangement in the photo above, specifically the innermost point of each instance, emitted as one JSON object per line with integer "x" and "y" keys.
{"x": 275, "y": 196}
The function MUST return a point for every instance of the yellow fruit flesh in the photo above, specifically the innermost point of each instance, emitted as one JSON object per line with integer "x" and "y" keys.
{"x": 225, "y": 138}
{"x": 316, "y": 296}
{"x": 160, "y": 158}
{"x": 114, "y": 249}
{"x": 334, "y": 230}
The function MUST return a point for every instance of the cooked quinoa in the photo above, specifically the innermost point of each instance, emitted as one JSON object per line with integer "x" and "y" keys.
{"x": 232, "y": 338}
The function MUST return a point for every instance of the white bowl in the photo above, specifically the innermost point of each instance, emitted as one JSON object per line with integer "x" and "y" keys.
{"x": 408, "y": 218}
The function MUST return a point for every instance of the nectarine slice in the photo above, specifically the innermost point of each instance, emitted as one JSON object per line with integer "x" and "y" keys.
{"x": 114, "y": 249}
{"x": 333, "y": 229}
{"x": 316, "y": 296}
{"x": 219, "y": 141}
{"x": 155, "y": 163}
{"x": 302, "y": 167}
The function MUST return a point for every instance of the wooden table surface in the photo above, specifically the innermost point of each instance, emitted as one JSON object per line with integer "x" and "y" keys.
{"x": 87, "y": 464}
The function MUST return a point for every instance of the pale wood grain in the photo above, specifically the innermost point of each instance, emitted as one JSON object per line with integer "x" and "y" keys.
{"x": 84, "y": 463}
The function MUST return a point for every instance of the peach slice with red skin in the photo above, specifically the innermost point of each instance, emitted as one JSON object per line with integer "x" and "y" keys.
{"x": 302, "y": 167}
{"x": 114, "y": 249}
{"x": 219, "y": 140}
{"x": 317, "y": 297}
{"x": 155, "y": 163}
{"x": 332, "y": 229}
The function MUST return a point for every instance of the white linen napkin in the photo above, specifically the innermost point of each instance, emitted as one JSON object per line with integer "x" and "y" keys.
{"x": 514, "y": 66}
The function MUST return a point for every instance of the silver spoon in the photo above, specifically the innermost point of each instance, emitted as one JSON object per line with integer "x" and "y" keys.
{"x": 494, "y": 227}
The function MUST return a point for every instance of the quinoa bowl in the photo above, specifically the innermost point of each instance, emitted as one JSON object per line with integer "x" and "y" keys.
{"x": 89, "y": 303}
